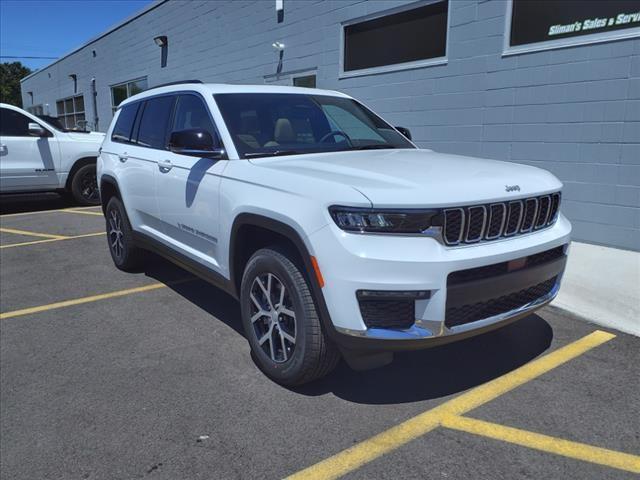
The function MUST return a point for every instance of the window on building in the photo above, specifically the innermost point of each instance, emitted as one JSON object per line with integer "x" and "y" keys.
{"x": 13, "y": 124}
{"x": 124, "y": 124}
{"x": 308, "y": 81}
{"x": 408, "y": 38}
{"x": 71, "y": 112}
{"x": 553, "y": 24}
{"x": 122, "y": 91}
{"x": 152, "y": 132}
{"x": 36, "y": 110}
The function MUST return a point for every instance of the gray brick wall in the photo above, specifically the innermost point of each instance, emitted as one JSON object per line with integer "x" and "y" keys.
{"x": 574, "y": 111}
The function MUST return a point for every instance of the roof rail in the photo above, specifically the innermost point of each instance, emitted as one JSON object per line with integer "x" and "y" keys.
{"x": 179, "y": 82}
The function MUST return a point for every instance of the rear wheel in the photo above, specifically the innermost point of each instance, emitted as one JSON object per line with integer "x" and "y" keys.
{"x": 84, "y": 185}
{"x": 281, "y": 322}
{"x": 125, "y": 254}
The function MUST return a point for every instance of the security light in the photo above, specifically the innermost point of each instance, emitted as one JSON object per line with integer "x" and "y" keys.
{"x": 161, "y": 41}
{"x": 279, "y": 46}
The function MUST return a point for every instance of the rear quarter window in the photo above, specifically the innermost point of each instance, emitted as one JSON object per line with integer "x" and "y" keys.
{"x": 124, "y": 125}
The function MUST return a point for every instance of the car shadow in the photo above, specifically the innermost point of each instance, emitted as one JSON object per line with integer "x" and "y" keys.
{"x": 413, "y": 376}
{"x": 32, "y": 202}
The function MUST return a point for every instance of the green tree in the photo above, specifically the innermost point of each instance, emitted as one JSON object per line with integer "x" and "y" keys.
{"x": 10, "y": 75}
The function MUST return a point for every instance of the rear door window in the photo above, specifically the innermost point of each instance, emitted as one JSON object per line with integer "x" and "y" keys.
{"x": 122, "y": 130}
{"x": 152, "y": 132}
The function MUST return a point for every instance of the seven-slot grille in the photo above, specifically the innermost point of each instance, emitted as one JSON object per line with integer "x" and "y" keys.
{"x": 498, "y": 220}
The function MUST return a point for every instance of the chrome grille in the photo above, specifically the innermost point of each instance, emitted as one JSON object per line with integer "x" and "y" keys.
{"x": 476, "y": 223}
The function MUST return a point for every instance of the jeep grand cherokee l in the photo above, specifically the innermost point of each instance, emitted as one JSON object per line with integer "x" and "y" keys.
{"x": 336, "y": 233}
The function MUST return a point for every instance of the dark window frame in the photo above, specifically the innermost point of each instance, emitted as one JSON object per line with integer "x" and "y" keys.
{"x": 443, "y": 60}
{"x": 142, "y": 103}
{"x": 587, "y": 39}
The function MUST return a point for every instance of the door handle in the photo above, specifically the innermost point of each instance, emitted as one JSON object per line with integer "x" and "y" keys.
{"x": 3, "y": 148}
{"x": 165, "y": 165}
{"x": 123, "y": 158}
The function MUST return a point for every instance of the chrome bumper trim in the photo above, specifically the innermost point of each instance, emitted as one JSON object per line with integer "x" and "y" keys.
{"x": 435, "y": 329}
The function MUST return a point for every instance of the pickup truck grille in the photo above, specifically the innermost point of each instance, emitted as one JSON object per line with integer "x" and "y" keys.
{"x": 481, "y": 223}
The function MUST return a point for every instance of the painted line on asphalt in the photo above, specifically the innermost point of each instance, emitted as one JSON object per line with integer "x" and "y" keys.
{"x": 79, "y": 301}
{"x": 364, "y": 452}
{"x": 49, "y": 240}
{"x": 37, "y": 212}
{"x": 83, "y": 212}
{"x": 32, "y": 234}
{"x": 544, "y": 443}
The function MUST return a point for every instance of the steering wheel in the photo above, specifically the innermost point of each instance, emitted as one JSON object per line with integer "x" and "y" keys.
{"x": 333, "y": 133}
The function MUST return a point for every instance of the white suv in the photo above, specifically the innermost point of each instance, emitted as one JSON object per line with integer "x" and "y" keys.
{"x": 37, "y": 154}
{"x": 336, "y": 233}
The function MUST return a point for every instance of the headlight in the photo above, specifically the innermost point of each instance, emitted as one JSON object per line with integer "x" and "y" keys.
{"x": 384, "y": 221}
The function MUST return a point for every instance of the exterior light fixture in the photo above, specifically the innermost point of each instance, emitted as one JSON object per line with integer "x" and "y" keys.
{"x": 163, "y": 43}
{"x": 279, "y": 46}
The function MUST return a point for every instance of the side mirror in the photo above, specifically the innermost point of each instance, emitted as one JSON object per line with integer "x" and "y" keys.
{"x": 404, "y": 131}
{"x": 195, "y": 142}
{"x": 36, "y": 130}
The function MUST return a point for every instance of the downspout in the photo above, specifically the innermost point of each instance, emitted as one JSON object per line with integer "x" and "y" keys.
{"x": 94, "y": 96}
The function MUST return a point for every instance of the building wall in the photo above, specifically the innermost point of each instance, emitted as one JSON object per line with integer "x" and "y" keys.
{"x": 574, "y": 111}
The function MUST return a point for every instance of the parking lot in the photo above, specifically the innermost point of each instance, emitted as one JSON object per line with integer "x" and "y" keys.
{"x": 107, "y": 375}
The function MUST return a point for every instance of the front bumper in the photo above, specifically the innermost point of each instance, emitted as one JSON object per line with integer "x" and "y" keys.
{"x": 352, "y": 262}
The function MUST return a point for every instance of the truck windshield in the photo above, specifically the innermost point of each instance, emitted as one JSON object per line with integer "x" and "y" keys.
{"x": 269, "y": 124}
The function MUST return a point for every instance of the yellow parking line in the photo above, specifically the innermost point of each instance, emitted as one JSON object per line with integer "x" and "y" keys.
{"x": 78, "y": 301}
{"x": 389, "y": 440}
{"x": 545, "y": 443}
{"x": 32, "y": 234}
{"x": 83, "y": 212}
{"x": 49, "y": 240}
{"x": 21, "y": 214}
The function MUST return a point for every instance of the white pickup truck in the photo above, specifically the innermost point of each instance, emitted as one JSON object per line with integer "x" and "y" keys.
{"x": 38, "y": 155}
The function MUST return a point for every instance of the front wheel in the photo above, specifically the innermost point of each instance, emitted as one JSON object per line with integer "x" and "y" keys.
{"x": 281, "y": 322}
{"x": 124, "y": 252}
{"x": 84, "y": 186}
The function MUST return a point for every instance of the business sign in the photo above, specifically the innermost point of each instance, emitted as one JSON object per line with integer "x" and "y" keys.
{"x": 535, "y": 21}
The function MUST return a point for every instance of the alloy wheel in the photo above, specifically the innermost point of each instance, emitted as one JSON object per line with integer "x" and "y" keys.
{"x": 273, "y": 317}
{"x": 89, "y": 186}
{"x": 115, "y": 233}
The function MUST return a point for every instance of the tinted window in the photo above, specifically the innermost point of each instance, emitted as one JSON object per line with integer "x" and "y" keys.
{"x": 408, "y": 36}
{"x": 13, "y": 124}
{"x": 155, "y": 119}
{"x": 191, "y": 112}
{"x": 264, "y": 124}
{"x": 538, "y": 21}
{"x": 122, "y": 130}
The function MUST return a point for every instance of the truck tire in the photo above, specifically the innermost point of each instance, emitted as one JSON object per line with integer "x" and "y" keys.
{"x": 124, "y": 252}
{"x": 281, "y": 322}
{"x": 84, "y": 185}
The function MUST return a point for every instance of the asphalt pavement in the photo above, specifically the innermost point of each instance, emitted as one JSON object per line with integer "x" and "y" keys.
{"x": 107, "y": 375}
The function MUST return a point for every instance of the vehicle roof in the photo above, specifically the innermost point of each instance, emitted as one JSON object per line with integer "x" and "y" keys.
{"x": 214, "y": 88}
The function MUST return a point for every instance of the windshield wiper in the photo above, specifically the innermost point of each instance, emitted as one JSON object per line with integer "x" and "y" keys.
{"x": 374, "y": 146}
{"x": 272, "y": 154}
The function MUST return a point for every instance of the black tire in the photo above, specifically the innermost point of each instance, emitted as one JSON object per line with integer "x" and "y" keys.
{"x": 84, "y": 185}
{"x": 124, "y": 252}
{"x": 313, "y": 354}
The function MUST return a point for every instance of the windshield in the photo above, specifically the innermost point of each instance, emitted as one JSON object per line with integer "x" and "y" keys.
{"x": 57, "y": 124}
{"x": 267, "y": 124}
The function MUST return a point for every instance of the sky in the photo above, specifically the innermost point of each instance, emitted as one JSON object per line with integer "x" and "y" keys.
{"x": 52, "y": 28}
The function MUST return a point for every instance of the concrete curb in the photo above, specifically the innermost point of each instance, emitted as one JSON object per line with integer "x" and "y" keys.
{"x": 602, "y": 285}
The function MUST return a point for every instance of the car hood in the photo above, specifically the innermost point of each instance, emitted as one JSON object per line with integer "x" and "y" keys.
{"x": 94, "y": 137}
{"x": 419, "y": 178}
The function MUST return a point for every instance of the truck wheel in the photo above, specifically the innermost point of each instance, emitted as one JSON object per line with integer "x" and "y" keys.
{"x": 84, "y": 186}
{"x": 281, "y": 322}
{"x": 125, "y": 254}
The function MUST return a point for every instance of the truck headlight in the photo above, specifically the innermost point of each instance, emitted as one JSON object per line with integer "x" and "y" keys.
{"x": 369, "y": 220}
